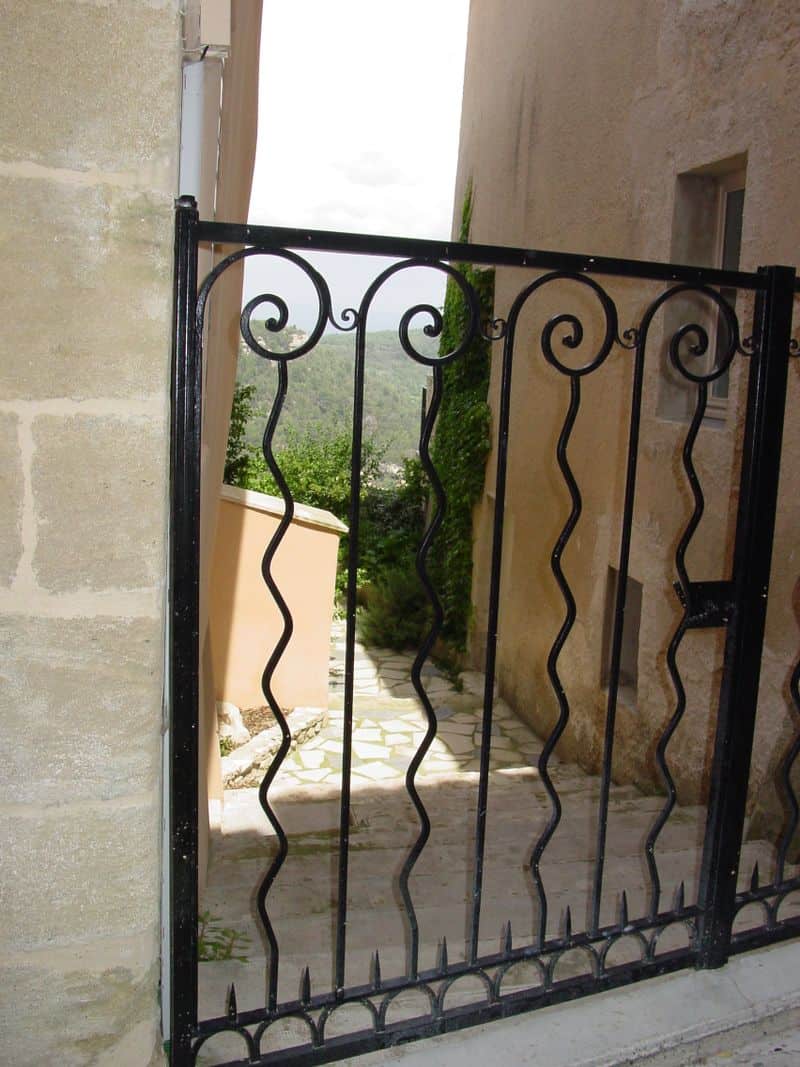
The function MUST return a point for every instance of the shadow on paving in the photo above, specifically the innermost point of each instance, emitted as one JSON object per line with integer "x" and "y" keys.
{"x": 388, "y": 726}
{"x": 383, "y": 828}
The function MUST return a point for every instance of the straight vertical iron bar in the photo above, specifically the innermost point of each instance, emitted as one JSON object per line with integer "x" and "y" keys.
{"x": 619, "y": 622}
{"x": 491, "y": 638}
{"x": 184, "y": 620}
{"x": 755, "y": 525}
{"x": 349, "y": 656}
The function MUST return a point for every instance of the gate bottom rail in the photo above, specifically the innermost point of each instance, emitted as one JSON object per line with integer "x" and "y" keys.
{"x": 441, "y": 1020}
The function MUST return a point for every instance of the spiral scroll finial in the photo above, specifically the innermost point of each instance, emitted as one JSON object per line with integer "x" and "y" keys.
{"x": 571, "y": 338}
{"x": 276, "y": 323}
{"x": 697, "y": 334}
{"x": 434, "y": 327}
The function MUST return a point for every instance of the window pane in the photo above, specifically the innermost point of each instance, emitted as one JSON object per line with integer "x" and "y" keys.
{"x": 719, "y": 387}
{"x": 732, "y": 237}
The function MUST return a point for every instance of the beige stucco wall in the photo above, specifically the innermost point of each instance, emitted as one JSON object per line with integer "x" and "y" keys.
{"x": 245, "y": 621}
{"x": 88, "y": 158}
{"x": 574, "y": 142}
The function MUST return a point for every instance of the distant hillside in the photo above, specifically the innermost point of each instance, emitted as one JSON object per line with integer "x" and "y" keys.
{"x": 320, "y": 394}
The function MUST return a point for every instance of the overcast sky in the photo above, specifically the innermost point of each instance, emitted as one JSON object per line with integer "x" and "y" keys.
{"x": 359, "y": 111}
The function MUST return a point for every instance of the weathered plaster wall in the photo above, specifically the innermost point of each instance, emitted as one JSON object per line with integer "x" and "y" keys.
{"x": 577, "y": 120}
{"x": 88, "y": 157}
{"x": 245, "y": 622}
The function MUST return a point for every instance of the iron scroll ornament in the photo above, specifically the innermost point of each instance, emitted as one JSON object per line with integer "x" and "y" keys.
{"x": 571, "y": 340}
{"x": 701, "y": 379}
{"x": 432, "y": 330}
{"x": 357, "y": 320}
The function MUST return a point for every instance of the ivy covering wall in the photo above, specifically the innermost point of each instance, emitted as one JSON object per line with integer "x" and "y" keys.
{"x": 461, "y": 443}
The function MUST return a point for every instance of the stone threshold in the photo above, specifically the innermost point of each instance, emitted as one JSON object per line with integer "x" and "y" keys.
{"x": 735, "y": 1015}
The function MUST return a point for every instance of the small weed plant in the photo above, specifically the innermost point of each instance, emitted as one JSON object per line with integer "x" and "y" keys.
{"x": 216, "y": 942}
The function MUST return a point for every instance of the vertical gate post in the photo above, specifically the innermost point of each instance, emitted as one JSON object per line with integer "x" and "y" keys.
{"x": 184, "y": 636}
{"x": 755, "y": 525}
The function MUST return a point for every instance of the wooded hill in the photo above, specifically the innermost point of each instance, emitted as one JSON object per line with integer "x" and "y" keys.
{"x": 319, "y": 400}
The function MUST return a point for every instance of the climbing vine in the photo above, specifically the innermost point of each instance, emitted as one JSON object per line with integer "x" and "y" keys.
{"x": 461, "y": 443}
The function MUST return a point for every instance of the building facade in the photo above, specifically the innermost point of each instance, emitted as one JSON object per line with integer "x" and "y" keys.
{"x": 656, "y": 131}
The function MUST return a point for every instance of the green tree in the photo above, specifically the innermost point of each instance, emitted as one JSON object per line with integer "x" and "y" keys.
{"x": 238, "y": 455}
{"x": 317, "y": 470}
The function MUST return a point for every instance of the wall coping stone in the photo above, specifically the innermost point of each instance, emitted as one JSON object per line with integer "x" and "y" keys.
{"x": 304, "y": 514}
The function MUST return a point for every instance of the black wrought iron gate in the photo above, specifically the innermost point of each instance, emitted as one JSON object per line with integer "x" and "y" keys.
{"x": 738, "y": 604}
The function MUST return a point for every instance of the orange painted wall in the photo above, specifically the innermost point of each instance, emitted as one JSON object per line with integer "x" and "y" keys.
{"x": 244, "y": 619}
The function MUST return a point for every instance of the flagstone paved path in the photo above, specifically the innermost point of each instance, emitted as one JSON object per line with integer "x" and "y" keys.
{"x": 389, "y": 723}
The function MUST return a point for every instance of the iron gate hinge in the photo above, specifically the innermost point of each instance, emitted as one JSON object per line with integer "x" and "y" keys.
{"x": 708, "y": 603}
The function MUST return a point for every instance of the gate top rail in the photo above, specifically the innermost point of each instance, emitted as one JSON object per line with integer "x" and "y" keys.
{"x": 478, "y": 254}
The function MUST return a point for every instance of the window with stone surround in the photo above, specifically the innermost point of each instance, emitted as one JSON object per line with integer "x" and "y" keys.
{"x": 706, "y": 232}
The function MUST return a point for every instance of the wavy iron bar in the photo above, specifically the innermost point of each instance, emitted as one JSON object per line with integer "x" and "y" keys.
{"x": 432, "y": 329}
{"x": 672, "y": 651}
{"x": 266, "y": 684}
{"x": 571, "y": 340}
{"x": 555, "y": 651}
{"x": 274, "y": 325}
{"x": 701, "y": 380}
{"x": 706, "y": 923}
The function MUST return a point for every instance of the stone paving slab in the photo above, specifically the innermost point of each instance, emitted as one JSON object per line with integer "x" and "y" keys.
{"x": 389, "y": 723}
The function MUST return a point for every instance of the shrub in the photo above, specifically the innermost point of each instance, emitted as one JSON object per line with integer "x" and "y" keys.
{"x": 392, "y": 522}
{"x": 397, "y": 613}
{"x": 317, "y": 471}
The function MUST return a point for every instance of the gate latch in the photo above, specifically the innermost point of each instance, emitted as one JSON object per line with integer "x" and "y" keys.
{"x": 709, "y": 604}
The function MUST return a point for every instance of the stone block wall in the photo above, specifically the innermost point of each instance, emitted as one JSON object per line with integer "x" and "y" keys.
{"x": 89, "y": 135}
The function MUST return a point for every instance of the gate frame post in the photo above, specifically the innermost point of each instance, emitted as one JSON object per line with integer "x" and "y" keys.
{"x": 755, "y": 526}
{"x": 183, "y": 622}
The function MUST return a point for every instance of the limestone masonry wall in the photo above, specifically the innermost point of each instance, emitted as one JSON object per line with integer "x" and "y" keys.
{"x": 88, "y": 156}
